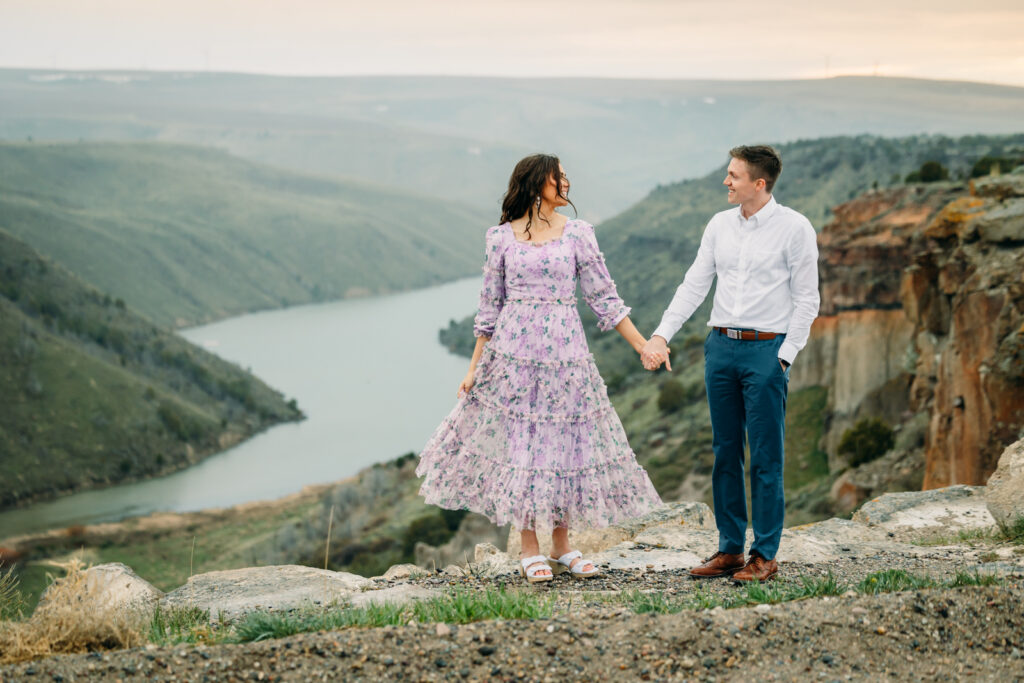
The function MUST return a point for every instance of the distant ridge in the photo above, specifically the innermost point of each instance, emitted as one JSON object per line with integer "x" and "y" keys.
{"x": 459, "y": 136}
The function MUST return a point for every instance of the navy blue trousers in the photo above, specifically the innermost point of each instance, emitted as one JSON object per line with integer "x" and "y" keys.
{"x": 747, "y": 390}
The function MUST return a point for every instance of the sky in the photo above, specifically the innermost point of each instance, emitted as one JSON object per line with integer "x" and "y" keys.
{"x": 980, "y": 40}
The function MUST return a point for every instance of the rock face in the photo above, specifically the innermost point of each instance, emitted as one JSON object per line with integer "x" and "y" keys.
{"x": 1004, "y": 493}
{"x": 685, "y": 514}
{"x": 923, "y": 312}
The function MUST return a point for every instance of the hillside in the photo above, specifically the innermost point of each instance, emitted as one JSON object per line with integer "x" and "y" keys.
{"x": 445, "y": 136}
{"x": 94, "y": 394}
{"x": 187, "y": 235}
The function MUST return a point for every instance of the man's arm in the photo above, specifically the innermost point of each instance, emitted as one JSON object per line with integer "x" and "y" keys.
{"x": 690, "y": 294}
{"x": 803, "y": 284}
{"x": 688, "y": 297}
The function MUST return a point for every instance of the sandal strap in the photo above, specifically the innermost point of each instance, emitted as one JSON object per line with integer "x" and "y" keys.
{"x": 532, "y": 565}
{"x": 569, "y": 557}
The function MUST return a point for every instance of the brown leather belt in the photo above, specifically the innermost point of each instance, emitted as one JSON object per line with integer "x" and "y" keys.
{"x": 746, "y": 335}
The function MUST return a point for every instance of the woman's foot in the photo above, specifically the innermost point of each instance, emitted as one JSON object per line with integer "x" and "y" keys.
{"x": 579, "y": 566}
{"x": 531, "y": 549}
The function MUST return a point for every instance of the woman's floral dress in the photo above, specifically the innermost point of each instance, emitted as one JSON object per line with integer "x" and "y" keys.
{"x": 536, "y": 443}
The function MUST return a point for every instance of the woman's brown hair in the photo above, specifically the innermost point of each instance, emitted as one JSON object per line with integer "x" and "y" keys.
{"x": 525, "y": 185}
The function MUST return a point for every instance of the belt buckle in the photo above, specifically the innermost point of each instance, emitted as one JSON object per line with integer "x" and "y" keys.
{"x": 733, "y": 334}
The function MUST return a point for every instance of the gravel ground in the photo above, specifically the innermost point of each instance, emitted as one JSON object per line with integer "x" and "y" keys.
{"x": 939, "y": 634}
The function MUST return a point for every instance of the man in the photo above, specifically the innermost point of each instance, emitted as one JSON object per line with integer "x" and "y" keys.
{"x": 765, "y": 257}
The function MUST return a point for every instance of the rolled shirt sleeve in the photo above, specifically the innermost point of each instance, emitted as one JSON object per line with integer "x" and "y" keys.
{"x": 803, "y": 284}
{"x": 596, "y": 282}
{"x": 492, "y": 292}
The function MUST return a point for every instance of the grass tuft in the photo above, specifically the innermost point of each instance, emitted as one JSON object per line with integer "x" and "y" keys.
{"x": 973, "y": 578}
{"x": 11, "y": 600}
{"x": 892, "y": 580}
{"x": 75, "y": 616}
{"x": 170, "y": 626}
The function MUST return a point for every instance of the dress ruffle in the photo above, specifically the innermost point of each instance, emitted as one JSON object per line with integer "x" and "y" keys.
{"x": 536, "y": 444}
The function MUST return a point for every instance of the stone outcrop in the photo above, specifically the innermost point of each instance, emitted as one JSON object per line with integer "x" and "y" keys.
{"x": 236, "y": 591}
{"x": 1004, "y": 493}
{"x": 922, "y": 513}
{"x": 683, "y": 514}
{"x": 923, "y": 313}
{"x": 670, "y": 540}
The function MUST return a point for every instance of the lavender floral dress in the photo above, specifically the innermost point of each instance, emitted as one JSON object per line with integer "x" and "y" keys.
{"x": 536, "y": 443}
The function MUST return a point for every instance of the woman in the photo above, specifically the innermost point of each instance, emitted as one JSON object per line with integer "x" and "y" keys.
{"x": 533, "y": 440}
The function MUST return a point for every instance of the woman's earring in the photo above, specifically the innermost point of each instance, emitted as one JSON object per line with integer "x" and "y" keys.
{"x": 538, "y": 201}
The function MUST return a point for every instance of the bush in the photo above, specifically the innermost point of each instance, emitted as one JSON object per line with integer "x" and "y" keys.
{"x": 869, "y": 439}
{"x": 985, "y": 165}
{"x": 930, "y": 172}
{"x": 672, "y": 396}
{"x": 432, "y": 530}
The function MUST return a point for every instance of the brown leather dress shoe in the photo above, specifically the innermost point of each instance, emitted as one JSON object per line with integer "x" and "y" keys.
{"x": 719, "y": 564}
{"x": 756, "y": 569}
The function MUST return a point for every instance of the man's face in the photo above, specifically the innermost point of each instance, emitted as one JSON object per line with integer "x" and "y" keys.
{"x": 742, "y": 188}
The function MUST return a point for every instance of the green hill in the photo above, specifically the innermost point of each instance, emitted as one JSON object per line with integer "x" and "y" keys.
{"x": 94, "y": 394}
{"x": 188, "y": 235}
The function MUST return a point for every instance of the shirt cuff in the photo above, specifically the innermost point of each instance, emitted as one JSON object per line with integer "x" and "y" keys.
{"x": 663, "y": 332}
{"x": 787, "y": 352}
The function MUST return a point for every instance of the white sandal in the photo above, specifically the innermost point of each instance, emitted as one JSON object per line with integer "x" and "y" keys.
{"x": 530, "y": 566}
{"x": 564, "y": 564}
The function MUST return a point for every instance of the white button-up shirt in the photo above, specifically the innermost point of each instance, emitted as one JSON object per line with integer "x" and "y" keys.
{"x": 767, "y": 269}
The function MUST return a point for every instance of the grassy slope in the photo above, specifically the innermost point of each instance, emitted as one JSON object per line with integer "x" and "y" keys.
{"x": 94, "y": 394}
{"x": 187, "y": 235}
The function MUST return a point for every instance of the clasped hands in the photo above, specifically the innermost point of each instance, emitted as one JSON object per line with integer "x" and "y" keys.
{"x": 654, "y": 353}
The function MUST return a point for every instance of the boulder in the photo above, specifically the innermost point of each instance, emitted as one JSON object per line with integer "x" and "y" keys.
{"x": 1004, "y": 493}
{"x": 237, "y": 591}
{"x": 686, "y": 514}
{"x": 916, "y": 514}
{"x": 114, "y": 585}
{"x": 489, "y": 561}
{"x": 403, "y": 571}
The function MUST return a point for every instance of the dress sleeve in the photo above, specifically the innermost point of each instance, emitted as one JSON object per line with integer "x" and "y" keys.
{"x": 595, "y": 281}
{"x": 492, "y": 293}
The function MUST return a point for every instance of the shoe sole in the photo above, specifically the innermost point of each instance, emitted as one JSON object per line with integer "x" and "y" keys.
{"x": 725, "y": 574}
{"x": 740, "y": 582}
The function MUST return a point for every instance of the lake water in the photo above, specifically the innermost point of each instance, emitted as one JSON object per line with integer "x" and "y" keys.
{"x": 370, "y": 375}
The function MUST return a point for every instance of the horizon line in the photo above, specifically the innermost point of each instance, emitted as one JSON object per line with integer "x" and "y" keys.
{"x": 658, "y": 79}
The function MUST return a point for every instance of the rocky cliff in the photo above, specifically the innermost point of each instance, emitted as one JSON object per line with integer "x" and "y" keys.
{"x": 922, "y": 322}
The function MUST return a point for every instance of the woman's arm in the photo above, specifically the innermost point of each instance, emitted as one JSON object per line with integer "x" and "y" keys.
{"x": 467, "y": 381}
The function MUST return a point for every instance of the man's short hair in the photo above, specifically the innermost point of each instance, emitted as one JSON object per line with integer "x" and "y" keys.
{"x": 762, "y": 160}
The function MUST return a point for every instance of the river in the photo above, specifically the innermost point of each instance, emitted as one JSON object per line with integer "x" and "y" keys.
{"x": 370, "y": 374}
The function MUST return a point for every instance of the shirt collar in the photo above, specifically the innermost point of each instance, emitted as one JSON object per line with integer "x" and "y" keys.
{"x": 762, "y": 215}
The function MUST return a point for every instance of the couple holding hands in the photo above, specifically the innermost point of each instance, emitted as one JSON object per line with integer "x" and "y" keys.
{"x": 534, "y": 441}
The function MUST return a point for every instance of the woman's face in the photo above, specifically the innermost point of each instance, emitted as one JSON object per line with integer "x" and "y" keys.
{"x": 550, "y": 193}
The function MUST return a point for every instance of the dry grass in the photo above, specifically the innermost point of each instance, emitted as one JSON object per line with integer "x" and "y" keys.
{"x": 73, "y": 617}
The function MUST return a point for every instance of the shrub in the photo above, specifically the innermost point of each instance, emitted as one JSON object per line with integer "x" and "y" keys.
{"x": 865, "y": 441}
{"x": 431, "y": 529}
{"x": 672, "y": 396}
{"x": 985, "y": 165}
{"x": 930, "y": 172}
